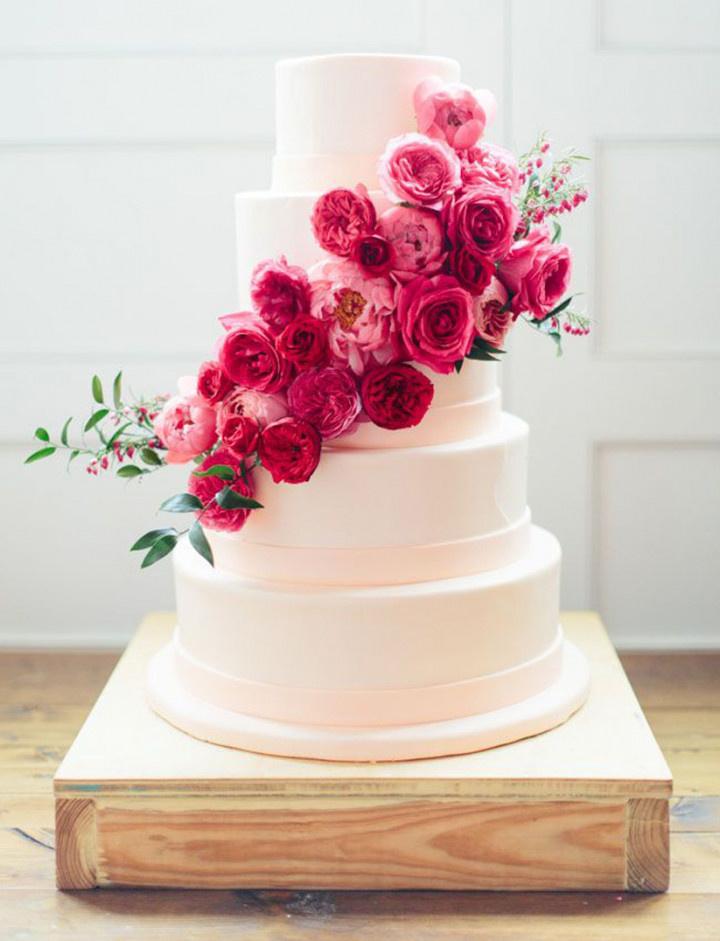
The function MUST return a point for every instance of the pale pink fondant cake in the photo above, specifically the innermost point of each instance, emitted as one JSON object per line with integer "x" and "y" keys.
{"x": 399, "y": 604}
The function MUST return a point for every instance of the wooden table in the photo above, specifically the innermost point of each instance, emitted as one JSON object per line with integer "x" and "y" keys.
{"x": 44, "y": 698}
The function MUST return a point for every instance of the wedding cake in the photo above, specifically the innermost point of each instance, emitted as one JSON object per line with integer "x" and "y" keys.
{"x": 399, "y": 603}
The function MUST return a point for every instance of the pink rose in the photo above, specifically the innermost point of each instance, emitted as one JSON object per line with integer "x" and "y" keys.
{"x": 280, "y": 292}
{"x": 452, "y": 112}
{"x": 248, "y": 355}
{"x": 396, "y": 396}
{"x": 483, "y": 220}
{"x": 537, "y": 273}
{"x": 417, "y": 237}
{"x": 436, "y": 321}
{"x": 207, "y": 488}
{"x": 374, "y": 254}
{"x": 186, "y": 423}
{"x": 419, "y": 170}
{"x": 290, "y": 450}
{"x": 304, "y": 342}
{"x": 239, "y": 434}
{"x": 327, "y": 398}
{"x": 262, "y": 407}
{"x": 492, "y": 318}
{"x": 340, "y": 216}
{"x": 357, "y": 310}
{"x": 212, "y": 383}
{"x": 474, "y": 272}
{"x": 490, "y": 164}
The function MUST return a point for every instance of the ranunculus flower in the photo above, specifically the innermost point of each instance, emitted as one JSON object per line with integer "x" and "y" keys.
{"x": 483, "y": 220}
{"x": 452, "y": 112}
{"x": 340, "y": 216}
{"x": 374, "y": 254}
{"x": 248, "y": 355}
{"x": 537, "y": 273}
{"x": 436, "y": 321}
{"x": 186, "y": 423}
{"x": 396, "y": 396}
{"x": 419, "y": 170}
{"x": 290, "y": 450}
{"x": 239, "y": 433}
{"x": 304, "y": 342}
{"x": 473, "y": 271}
{"x": 212, "y": 383}
{"x": 489, "y": 163}
{"x": 357, "y": 310}
{"x": 327, "y": 397}
{"x": 417, "y": 237}
{"x": 280, "y": 292}
{"x": 206, "y": 488}
{"x": 492, "y": 318}
{"x": 262, "y": 407}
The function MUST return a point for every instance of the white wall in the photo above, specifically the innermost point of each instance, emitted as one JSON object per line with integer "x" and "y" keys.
{"x": 125, "y": 130}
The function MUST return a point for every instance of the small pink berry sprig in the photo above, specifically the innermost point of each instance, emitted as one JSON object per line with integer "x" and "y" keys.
{"x": 124, "y": 431}
{"x": 561, "y": 320}
{"x": 550, "y": 189}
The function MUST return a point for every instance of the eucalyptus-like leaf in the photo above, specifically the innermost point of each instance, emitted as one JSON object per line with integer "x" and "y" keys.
{"x": 182, "y": 503}
{"x": 130, "y": 470}
{"x": 150, "y": 457}
{"x": 95, "y": 418}
{"x": 73, "y": 455}
{"x": 39, "y": 455}
{"x": 149, "y": 539}
{"x": 42, "y": 434}
{"x": 64, "y": 432}
{"x": 459, "y": 365}
{"x": 116, "y": 434}
{"x": 223, "y": 471}
{"x": 230, "y": 499}
{"x": 198, "y": 540}
{"x": 160, "y": 548}
{"x": 97, "y": 390}
{"x": 560, "y": 307}
{"x": 117, "y": 390}
{"x": 557, "y": 231}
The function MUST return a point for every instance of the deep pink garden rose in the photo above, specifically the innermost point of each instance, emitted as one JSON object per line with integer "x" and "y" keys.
{"x": 280, "y": 292}
{"x": 340, "y": 216}
{"x": 239, "y": 434}
{"x": 436, "y": 321}
{"x": 290, "y": 450}
{"x": 537, "y": 273}
{"x": 417, "y": 237}
{"x": 492, "y": 318}
{"x": 212, "y": 383}
{"x": 374, "y": 254}
{"x": 262, "y": 407}
{"x": 396, "y": 396}
{"x": 474, "y": 272}
{"x": 327, "y": 397}
{"x": 206, "y": 488}
{"x": 483, "y": 220}
{"x": 357, "y": 311}
{"x": 489, "y": 163}
{"x": 185, "y": 424}
{"x": 304, "y": 342}
{"x": 419, "y": 170}
{"x": 249, "y": 356}
{"x": 452, "y": 112}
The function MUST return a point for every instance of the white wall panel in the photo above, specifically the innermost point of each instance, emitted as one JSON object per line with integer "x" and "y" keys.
{"x": 649, "y": 25}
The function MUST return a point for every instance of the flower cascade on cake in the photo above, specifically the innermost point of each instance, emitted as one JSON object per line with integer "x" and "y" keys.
{"x": 469, "y": 246}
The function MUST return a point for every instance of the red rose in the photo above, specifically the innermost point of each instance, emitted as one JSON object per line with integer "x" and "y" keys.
{"x": 473, "y": 271}
{"x": 373, "y": 253}
{"x": 396, "y": 396}
{"x": 340, "y": 216}
{"x": 483, "y": 220}
{"x": 280, "y": 292}
{"x": 249, "y": 357}
{"x": 304, "y": 342}
{"x": 326, "y": 397}
{"x": 436, "y": 321}
{"x": 240, "y": 434}
{"x": 290, "y": 450}
{"x": 206, "y": 488}
{"x": 212, "y": 383}
{"x": 537, "y": 273}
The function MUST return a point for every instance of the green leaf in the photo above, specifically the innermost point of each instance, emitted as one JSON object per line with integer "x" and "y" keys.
{"x": 117, "y": 390}
{"x": 130, "y": 470}
{"x": 484, "y": 351}
{"x": 64, "y": 432}
{"x": 116, "y": 434}
{"x": 162, "y": 547}
{"x": 39, "y": 455}
{"x": 95, "y": 418}
{"x": 557, "y": 231}
{"x": 97, "y": 390}
{"x": 230, "y": 499}
{"x": 150, "y": 457}
{"x": 182, "y": 503}
{"x": 73, "y": 455}
{"x": 561, "y": 307}
{"x": 149, "y": 539}
{"x": 223, "y": 471}
{"x": 198, "y": 540}
{"x": 41, "y": 434}
{"x": 459, "y": 365}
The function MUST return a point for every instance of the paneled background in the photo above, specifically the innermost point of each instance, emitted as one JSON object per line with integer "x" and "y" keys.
{"x": 125, "y": 130}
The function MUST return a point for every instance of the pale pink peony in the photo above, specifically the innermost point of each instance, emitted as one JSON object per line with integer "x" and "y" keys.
{"x": 262, "y": 407}
{"x": 417, "y": 237}
{"x": 483, "y": 219}
{"x": 280, "y": 292}
{"x": 327, "y": 397}
{"x": 358, "y": 312}
{"x": 537, "y": 273}
{"x": 452, "y": 112}
{"x": 492, "y": 319}
{"x": 489, "y": 163}
{"x": 419, "y": 170}
{"x": 340, "y": 216}
{"x": 186, "y": 423}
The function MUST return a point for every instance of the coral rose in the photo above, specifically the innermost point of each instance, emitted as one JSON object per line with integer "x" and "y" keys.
{"x": 537, "y": 273}
{"x": 207, "y": 488}
{"x": 374, "y": 254}
{"x": 490, "y": 164}
{"x": 436, "y": 321}
{"x": 290, "y": 450}
{"x": 279, "y": 292}
{"x": 326, "y": 397}
{"x": 396, "y": 396}
{"x": 493, "y": 317}
{"x": 304, "y": 342}
{"x": 473, "y": 271}
{"x": 416, "y": 236}
{"x": 340, "y": 216}
{"x": 483, "y": 220}
{"x": 248, "y": 355}
{"x": 419, "y": 170}
{"x": 212, "y": 383}
{"x": 452, "y": 112}
{"x": 186, "y": 423}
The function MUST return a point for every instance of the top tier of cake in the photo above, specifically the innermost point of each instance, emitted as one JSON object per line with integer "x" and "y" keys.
{"x": 334, "y": 115}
